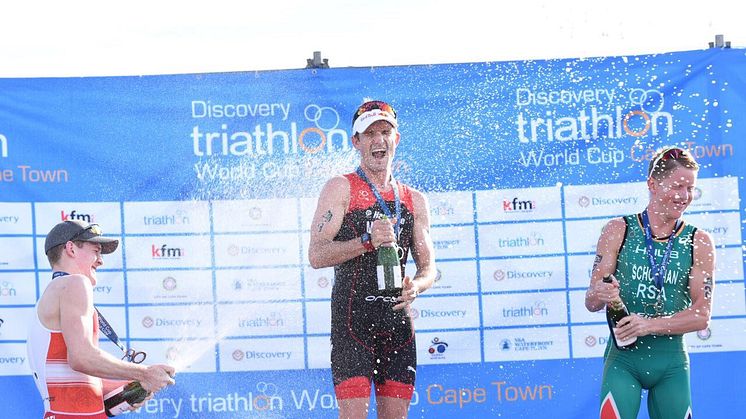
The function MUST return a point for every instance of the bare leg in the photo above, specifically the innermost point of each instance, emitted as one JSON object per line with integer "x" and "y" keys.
{"x": 353, "y": 408}
{"x": 392, "y": 407}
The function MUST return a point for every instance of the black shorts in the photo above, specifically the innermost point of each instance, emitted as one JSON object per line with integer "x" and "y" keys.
{"x": 371, "y": 342}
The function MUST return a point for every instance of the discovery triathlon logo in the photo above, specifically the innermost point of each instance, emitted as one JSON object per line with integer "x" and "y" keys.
{"x": 7, "y": 290}
{"x": 263, "y": 356}
{"x": 538, "y": 309}
{"x": 318, "y": 131}
{"x": 442, "y": 208}
{"x": 585, "y": 201}
{"x": 323, "y": 282}
{"x": 273, "y": 320}
{"x": 149, "y": 322}
{"x": 236, "y": 250}
{"x": 610, "y": 113}
{"x": 500, "y": 275}
{"x": 179, "y": 217}
{"x": 592, "y": 340}
{"x": 532, "y": 240}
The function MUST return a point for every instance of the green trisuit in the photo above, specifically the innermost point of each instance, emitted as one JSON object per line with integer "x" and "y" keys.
{"x": 658, "y": 363}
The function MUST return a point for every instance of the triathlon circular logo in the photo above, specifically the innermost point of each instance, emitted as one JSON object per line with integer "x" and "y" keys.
{"x": 172, "y": 353}
{"x": 704, "y": 334}
{"x": 584, "y": 201}
{"x": 238, "y": 355}
{"x": 590, "y": 341}
{"x": 499, "y": 275}
{"x": 169, "y": 283}
{"x": 255, "y": 213}
{"x": 438, "y": 275}
{"x": 649, "y": 101}
{"x": 148, "y": 322}
{"x": 324, "y": 117}
{"x": 696, "y": 194}
{"x": 323, "y": 282}
{"x": 233, "y": 250}
{"x": 263, "y": 400}
{"x": 414, "y": 313}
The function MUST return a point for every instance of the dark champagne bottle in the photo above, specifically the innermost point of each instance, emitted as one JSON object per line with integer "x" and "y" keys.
{"x": 121, "y": 399}
{"x": 616, "y": 311}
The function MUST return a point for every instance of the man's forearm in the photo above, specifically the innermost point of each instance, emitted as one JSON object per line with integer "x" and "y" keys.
{"x": 324, "y": 255}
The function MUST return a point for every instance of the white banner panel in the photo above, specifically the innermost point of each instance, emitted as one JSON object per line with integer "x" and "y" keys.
{"x": 524, "y": 344}
{"x": 519, "y": 204}
{"x": 15, "y": 218}
{"x": 161, "y": 217}
{"x": 527, "y": 308}
{"x": 521, "y": 274}
{"x": 521, "y": 239}
{"x": 448, "y": 347}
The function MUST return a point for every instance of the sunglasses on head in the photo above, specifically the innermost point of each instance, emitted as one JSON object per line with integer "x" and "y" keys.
{"x": 667, "y": 154}
{"x": 93, "y": 228}
{"x": 375, "y": 104}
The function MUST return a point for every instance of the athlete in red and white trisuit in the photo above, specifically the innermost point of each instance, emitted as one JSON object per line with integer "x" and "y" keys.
{"x": 372, "y": 333}
{"x": 71, "y": 373}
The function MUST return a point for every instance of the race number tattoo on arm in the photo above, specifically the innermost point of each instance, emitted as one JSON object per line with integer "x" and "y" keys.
{"x": 708, "y": 288}
{"x": 326, "y": 218}
{"x": 596, "y": 262}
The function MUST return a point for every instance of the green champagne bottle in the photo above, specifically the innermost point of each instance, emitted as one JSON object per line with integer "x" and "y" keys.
{"x": 121, "y": 399}
{"x": 389, "y": 267}
{"x": 616, "y": 311}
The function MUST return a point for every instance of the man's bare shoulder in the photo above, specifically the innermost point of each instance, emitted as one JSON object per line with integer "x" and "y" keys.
{"x": 419, "y": 201}
{"x": 615, "y": 226}
{"x": 336, "y": 189}
{"x": 338, "y": 182}
{"x": 69, "y": 285}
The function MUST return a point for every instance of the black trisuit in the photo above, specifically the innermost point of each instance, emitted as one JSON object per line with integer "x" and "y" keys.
{"x": 370, "y": 340}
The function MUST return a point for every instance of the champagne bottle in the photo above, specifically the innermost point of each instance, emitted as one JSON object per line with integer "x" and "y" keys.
{"x": 121, "y": 399}
{"x": 388, "y": 268}
{"x": 616, "y": 311}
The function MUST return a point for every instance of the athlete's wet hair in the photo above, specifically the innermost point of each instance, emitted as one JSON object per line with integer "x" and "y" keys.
{"x": 667, "y": 159}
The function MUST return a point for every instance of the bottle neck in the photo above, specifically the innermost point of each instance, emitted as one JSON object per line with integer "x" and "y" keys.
{"x": 616, "y": 304}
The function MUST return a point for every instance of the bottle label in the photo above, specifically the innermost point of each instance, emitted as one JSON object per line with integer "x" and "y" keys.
{"x": 389, "y": 277}
{"x": 626, "y": 342}
{"x": 114, "y": 392}
{"x": 120, "y": 408}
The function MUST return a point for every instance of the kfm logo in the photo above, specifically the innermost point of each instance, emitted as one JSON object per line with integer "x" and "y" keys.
{"x": 515, "y": 205}
{"x": 165, "y": 252}
{"x": 75, "y": 215}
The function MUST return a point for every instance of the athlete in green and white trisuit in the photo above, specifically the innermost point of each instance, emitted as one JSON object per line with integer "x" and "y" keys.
{"x": 668, "y": 294}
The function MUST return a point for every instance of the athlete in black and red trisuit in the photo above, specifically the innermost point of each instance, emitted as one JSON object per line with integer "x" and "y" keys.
{"x": 372, "y": 334}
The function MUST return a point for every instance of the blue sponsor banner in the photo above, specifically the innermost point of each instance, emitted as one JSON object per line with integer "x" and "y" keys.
{"x": 210, "y": 181}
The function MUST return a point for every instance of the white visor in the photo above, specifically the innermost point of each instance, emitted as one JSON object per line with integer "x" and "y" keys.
{"x": 363, "y": 121}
